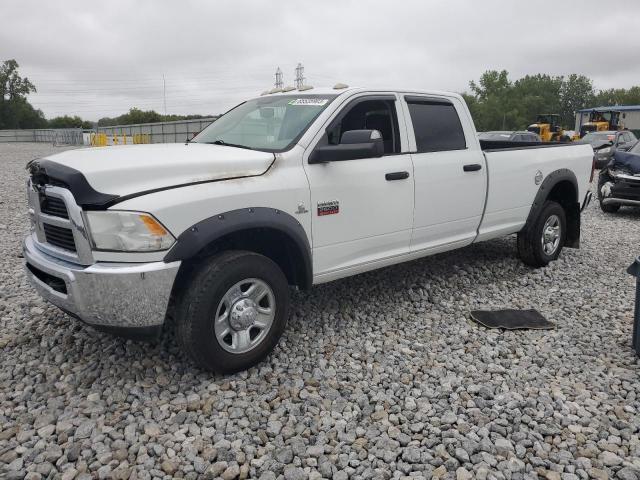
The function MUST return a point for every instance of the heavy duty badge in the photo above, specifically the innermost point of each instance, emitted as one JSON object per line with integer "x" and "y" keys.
{"x": 328, "y": 208}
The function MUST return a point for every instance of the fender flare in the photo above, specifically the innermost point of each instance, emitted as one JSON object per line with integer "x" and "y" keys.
{"x": 550, "y": 181}
{"x": 196, "y": 238}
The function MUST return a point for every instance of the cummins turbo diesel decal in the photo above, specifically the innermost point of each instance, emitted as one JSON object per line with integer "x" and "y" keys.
{"x": 328, "y": 208}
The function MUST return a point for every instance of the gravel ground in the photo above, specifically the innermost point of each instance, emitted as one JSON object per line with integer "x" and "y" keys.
{"x": 378, "y": 376}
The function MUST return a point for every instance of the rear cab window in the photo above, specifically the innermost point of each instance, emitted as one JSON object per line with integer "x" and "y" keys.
{"x": 436, "y": 124}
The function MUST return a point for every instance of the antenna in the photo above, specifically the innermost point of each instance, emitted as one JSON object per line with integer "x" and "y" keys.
{"x": 164, "y": 95}
{"x": 299, "y": 82}
{"x": 279, "y": 83}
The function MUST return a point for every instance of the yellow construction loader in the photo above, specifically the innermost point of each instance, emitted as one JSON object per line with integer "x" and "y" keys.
{"x": 601, "y": 121}
{"x": 548, "y": 127}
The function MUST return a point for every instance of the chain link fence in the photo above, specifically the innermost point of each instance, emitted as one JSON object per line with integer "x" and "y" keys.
{"x": 55, "y": 136}
{"x": 161, "y": 132}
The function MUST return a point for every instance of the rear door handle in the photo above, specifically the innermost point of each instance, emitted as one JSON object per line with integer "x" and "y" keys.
{"x": 396, "y": 176}
{"x": 473, "y": 167}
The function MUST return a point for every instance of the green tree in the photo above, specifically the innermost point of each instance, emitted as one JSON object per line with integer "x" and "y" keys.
{"x": 618, "y": 96}
{"x": 69, "y": 122}
{"x": 15, "y": 110}
{"x": 576, "y": 93}
{"x": 135, "y": 115}
{"x": 497, "y": 103}
{"x": 533, "y": 95}
{"x": 492, "y": 105}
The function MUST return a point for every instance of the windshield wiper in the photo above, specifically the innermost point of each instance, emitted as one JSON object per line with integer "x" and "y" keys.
{"x": 222, "y": 142}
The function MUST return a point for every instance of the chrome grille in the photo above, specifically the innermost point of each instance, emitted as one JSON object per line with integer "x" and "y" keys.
{"x": 58, "y": 224}
{"x": 54, "y": 206}
{"x": 59, "y": 237}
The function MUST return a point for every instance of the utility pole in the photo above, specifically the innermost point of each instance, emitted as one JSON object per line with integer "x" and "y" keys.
{"x": 164, "y": 95}
{"x": 279, "y": 83}
{"x": 299, "y": 76}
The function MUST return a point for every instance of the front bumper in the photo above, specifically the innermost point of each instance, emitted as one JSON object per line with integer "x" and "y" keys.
{"x": 621, "y": 190}
{"x": 120, "y": 295}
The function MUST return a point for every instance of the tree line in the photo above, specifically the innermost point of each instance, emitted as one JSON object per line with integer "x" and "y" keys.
{"x": 135, "y": 115}
{"x": 496, "y": 102}
{"x": 16, "y": 112}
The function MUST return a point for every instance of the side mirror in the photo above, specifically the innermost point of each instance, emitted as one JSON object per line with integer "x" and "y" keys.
{"x": 354, "y": 145}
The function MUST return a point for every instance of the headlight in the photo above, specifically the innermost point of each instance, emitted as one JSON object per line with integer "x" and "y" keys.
{"x": 127, "y": 231}
{"x": 604, "y": 151}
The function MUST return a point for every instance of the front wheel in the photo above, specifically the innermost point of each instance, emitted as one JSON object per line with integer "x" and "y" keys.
{"x": 603, "y": 179}
{"x": 609, "y": 208}
{"x": 542, "y": 242}
{"x": 234, "y": 311}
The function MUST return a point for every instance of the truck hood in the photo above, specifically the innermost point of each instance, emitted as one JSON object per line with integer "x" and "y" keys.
{"x": 101, "y": 175}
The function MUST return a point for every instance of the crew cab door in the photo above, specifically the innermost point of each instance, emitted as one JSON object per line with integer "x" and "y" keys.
{"x": 450, "y": 174}
{"x": 362, "y": 209}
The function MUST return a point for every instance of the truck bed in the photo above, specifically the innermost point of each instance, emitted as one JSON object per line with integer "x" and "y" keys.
{"x": 515, "y": 171}
{"x": 490, "y": 145}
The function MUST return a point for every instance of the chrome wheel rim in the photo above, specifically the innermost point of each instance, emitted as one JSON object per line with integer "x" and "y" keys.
{"x": 551, "y": 235}
{"x": 244, "y": 316}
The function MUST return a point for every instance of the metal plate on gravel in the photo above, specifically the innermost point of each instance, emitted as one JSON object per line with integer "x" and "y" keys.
{"x": 512, "y": 319}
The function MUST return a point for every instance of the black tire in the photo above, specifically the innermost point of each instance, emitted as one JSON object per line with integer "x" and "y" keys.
{"x": 530, "y": 244}
{"x": 611, "y": 208}
{"x": 201, "y": 301}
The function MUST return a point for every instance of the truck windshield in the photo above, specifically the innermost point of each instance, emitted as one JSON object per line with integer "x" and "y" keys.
{"x": 271, "y": 124}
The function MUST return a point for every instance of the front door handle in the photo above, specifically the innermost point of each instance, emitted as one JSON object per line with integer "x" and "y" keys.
{"x": 473, "y": 167}
{"x": 396, "y": 176}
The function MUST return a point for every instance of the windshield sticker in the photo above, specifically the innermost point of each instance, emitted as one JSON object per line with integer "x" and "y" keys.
{"x": 309, "y": 102}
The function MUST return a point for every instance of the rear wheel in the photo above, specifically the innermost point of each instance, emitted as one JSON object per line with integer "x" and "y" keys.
{"x": 234, "y": 311}
{"x": 542, "y": 242}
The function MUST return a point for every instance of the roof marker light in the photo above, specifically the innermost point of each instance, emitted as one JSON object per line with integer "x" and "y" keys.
{"x": 340, "y": 86}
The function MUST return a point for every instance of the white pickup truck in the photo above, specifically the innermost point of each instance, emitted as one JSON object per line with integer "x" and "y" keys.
{"x": 288, "y": 189}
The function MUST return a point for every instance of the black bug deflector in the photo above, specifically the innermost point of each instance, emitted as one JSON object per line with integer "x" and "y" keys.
{"x": 46, "y": 172}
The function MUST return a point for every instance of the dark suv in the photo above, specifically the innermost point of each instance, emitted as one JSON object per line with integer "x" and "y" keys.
{"x": 605, "y": 144}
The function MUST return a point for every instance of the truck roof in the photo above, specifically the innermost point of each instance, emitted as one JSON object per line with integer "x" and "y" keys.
{"x": 353, "y": 90}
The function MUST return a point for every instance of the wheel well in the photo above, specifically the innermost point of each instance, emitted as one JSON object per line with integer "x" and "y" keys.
{"x": 270, "y": 242}
{"x": 564, "y": 192}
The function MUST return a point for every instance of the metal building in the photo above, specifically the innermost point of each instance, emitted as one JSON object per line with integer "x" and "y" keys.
{"x": 629, "y": 116}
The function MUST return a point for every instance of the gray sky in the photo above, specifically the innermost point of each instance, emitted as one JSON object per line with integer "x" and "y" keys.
{"x": 97, "y": 59}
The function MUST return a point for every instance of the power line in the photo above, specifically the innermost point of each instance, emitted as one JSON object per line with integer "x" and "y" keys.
{"x": 164, "y": 94}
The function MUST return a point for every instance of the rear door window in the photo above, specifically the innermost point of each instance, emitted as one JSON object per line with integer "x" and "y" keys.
{"x": 436, "y": 125}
